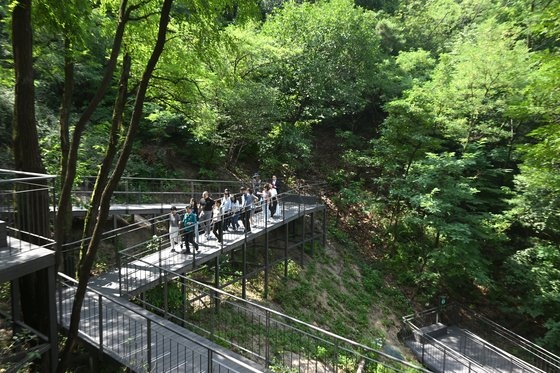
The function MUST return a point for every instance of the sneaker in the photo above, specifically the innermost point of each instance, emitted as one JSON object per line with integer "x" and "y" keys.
{"x": 173, "y": 250}
{"x": 186, "y": 252}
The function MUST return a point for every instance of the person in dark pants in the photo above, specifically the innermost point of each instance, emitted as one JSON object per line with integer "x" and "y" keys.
{"x": 189, "y": 226}
{"x": 218, "y": 220}
{"x": 206, "y": 204}
{"x": 273, "y": 204}
{"x": 276, "y": 184}
{"x": 248, "y": 201}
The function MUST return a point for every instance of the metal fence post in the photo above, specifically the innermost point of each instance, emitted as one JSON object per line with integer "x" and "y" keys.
{"x": 100, "y": 300}
{"x": 149, "y": 351}
{"x": 210, "y": 358}
{"x": 267, "y": 344}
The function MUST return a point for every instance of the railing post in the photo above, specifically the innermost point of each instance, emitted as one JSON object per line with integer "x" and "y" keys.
{"x": 60, "y": 310}
{"x": 100, "y": 300}
{"x": 149, "y": 350}
{"x": 160, "y": 259}
{"x": 267, "y": 343}
{"x": 336, "y": 349}
{"x": 210, "y": 358}
{"x": 119, "y": 266}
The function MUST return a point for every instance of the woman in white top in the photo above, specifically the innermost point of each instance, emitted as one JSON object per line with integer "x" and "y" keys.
{"x": 217, "y": 220}
{"x": 173, "y": 228}
{"x": 265, "y": 200}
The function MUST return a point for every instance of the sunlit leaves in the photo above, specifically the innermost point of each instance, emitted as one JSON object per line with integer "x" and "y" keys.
{"x": 335, "y": 67}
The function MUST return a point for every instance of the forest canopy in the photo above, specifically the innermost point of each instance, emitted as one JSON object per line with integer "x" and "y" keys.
{"x": 442, "y": 117}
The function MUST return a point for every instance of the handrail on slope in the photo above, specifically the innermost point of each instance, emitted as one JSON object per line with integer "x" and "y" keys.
{"x": 537, "y": 359}
{"x": 144, "y": 358}
{"x": 542, "y": 358}
{"x": 259, "y": 316}
{"x": 469, "y": 364}
{"x": 514, "y": 360}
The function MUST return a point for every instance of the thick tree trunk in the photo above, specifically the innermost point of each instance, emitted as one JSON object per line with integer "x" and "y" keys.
{"x": 26, "y": 145}
{"x": 32, "y": 206}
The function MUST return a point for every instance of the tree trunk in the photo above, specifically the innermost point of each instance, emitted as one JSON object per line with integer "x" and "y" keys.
{"x": 89, "y": 257}
{"x": 65, "y": 206}
{"x": 71, "y": 157}
{"x": 32, "y": 206}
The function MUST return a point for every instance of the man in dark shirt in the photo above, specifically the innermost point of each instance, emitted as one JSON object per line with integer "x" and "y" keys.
{"x": 248, "y": 204}
{"x": 276, "y": 184}
{"x": 205, "y": 206}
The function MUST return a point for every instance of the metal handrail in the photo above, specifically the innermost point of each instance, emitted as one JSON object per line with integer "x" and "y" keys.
{"x": 547, "y": 361}
{"x": 498, "y": 351}
{"x": 539, "y": 353}
{"x": 103, "y": 335}
{"x": 157, "y": 243}
{"x": 457, "y": 357}
{"x": 260, "y": 312}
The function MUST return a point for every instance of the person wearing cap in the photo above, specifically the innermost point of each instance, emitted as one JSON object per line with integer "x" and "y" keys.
{"x": 256, "y": 183}
{"x": 173, "y": 228}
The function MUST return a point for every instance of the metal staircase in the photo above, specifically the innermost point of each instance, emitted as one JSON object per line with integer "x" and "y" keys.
{"x": 473, "y": 342}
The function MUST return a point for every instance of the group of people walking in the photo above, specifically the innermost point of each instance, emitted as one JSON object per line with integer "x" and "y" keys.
{"x": 232, "y": 211}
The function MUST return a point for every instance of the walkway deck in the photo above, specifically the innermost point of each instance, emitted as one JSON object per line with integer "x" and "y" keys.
{"x": 145, "y": 342}
{"x": 144, "y": 273}
{"x": 466, "y": 352}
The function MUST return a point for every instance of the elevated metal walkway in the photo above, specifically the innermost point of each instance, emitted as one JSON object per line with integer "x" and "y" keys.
{"x": 141, "y": 265}
{"x": 141, "y": 340}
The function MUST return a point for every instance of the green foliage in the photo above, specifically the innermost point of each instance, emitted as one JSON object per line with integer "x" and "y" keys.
{"x": 532, "y": 282}
{"x": 432, "y": 25}
{"x": 6, "y": 112}
{"x": 286, "y": 148}
{"x": 330, "y": 74}
{"x": 539, "y": 182}
{"x": 467, "y": 151}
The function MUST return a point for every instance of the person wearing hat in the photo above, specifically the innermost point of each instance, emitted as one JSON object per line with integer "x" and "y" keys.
{"x": 256, "y": 183}
{"x": 173, "y": 228}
